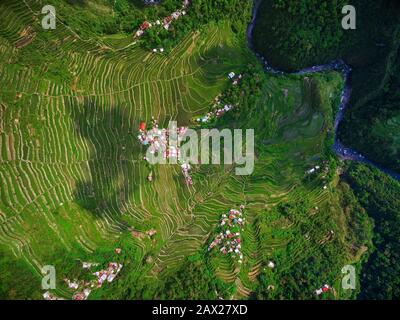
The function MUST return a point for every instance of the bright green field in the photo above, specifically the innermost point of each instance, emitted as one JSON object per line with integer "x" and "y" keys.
{"x": 73, "y": 185}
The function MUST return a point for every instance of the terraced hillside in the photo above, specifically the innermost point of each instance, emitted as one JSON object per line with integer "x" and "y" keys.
{"x": 74, "y": 186}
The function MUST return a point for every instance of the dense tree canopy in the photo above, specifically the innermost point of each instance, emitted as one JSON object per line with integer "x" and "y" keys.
{"x": 380, "y": 195}
{"x": 293, "y": 34}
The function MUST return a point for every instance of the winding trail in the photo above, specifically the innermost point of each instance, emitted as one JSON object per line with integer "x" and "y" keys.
{"x": 341, "y": 151}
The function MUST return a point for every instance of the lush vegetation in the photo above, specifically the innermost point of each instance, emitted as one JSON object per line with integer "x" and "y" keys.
{"x": 194, "y": 281}
{"x": 296, "y": 34}
{"x": 119, "y": 20}
{"x": 74, "y": 186}
{"x": 299, "y": 280}
{"x": 380, "y": 196}
{"x": 14, "y": 273}
{"x": 313, "y": 35}
{"x": 373, "y": 127}
{"x": 199, "y": 14}
{"x": 109, "y": 17}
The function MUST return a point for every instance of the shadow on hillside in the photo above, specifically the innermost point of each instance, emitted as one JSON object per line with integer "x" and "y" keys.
{"x": 81, "y": 3}
{"x": 112, "y": 174}
{"x": 112, "y": 169}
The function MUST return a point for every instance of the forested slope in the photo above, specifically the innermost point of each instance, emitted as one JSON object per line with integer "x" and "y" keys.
{"x": 295, "y": 34}
{"x": 380, "y": 196}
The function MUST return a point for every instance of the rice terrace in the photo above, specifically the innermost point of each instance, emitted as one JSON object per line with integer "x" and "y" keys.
{"x": 84, "y": 214}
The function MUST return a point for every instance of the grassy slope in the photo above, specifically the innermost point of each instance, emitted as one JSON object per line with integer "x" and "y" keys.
{"x": 73, "y": 185}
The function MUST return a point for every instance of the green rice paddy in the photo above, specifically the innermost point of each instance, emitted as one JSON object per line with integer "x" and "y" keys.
{"x": 73, "y": 184}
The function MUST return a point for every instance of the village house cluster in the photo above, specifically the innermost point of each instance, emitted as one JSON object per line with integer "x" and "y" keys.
{"x": 83, "y": 288}
{"x": 317, "y": 168}
{"x": 235, "y": 79}
{"x": 141, "y": 235}
{"x": 108, "y": 275}
{"x": 166, "y": 22}
{"x": 215, "y": 114}
{"x": 185, "y": 171}
{"x": 159, "y": 141}
{"x": 229, "y": 239}
{"x": 218, "y": 110}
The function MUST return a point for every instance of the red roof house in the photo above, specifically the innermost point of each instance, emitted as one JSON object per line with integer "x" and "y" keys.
{"x": 145, "y": 25}
{"x": 168, "y": 19}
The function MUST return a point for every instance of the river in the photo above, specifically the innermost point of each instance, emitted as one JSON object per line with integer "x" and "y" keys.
{"x": 341, "y": 151}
